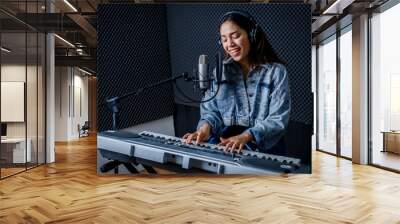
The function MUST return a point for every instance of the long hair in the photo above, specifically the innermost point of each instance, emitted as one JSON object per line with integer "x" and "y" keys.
{"x": 261, "y": 51}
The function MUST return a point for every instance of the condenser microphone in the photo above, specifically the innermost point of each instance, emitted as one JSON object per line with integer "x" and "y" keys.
{"x": 203, "y": 72}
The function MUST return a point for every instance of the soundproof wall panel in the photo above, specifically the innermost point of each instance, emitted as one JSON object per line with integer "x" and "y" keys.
{"x": 193, "y": 30}
{"x": 132, "y": 53}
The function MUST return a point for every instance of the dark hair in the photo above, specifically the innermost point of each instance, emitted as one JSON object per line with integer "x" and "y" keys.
{"x": 261, "y": 51}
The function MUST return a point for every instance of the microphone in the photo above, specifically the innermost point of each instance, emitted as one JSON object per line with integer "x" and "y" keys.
{"x": 203, "y": 72}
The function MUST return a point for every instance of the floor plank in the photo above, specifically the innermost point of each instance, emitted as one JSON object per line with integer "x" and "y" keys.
{"x": 70, "y": 191}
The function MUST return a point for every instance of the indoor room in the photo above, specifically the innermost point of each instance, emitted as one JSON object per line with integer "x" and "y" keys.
{"x": 108, "y": 113}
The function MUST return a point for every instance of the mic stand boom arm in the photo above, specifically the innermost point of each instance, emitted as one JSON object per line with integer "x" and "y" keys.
{"x": 113, "y": 103}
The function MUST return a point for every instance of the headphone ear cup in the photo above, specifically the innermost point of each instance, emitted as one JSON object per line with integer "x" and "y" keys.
{"x": 219, "y": 43}
{"x": 252, "y": 34}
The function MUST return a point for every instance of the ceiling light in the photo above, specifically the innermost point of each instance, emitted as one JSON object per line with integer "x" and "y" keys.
{"x": 337, "y": 7}
{"x": 84, "y": 71}
{"x": 70, "y": 5}
{"x": 65, "y": 41}
{"x": 5, "y": 50}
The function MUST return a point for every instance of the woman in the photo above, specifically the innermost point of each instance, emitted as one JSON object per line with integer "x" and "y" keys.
{"x": 252, "y": 107}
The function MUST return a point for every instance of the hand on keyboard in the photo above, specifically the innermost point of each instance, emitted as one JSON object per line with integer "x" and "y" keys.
{"x": 236, "y": 143}
{"x": 200, "y": 135}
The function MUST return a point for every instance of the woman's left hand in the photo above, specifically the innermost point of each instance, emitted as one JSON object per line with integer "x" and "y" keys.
{"x": 236, "y": 143}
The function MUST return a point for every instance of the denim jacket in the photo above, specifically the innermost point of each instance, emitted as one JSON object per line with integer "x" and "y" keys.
{"x": 262, "y": 102}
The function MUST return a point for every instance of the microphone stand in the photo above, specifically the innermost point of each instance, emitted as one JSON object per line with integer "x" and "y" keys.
{"x": 113, "y": 103}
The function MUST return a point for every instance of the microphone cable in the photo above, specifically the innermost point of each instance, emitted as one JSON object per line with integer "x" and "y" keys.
{"x": 194, "y": 100}
{"x": 218, "y": 74}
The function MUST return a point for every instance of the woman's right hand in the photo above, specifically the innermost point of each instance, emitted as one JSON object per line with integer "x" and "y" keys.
{"x": 201, "y": 135}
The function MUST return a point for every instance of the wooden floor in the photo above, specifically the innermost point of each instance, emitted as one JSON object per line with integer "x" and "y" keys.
{"x": 70, "y": 191}
{"x": 10, "y": 171}
{"x": 387, "y": 159}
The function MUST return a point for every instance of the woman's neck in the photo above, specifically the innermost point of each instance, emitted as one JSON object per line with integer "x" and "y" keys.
{"x": 246, "y": 67}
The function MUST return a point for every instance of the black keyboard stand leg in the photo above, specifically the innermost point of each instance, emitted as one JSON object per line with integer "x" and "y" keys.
{"x": 130, "y": 168}
{"x": 114, "y": 164}
{"x": 149, "y": 169}
{"x": 109, "y": 166}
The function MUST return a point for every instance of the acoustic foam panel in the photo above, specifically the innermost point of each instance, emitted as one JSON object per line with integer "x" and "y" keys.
{"x": 193, "y": 30}
{"x": 133, "y": 52}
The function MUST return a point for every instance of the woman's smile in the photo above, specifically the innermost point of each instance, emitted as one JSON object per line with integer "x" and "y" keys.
{"x": 235, "y": 52}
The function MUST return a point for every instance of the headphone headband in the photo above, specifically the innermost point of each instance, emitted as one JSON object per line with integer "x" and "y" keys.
{"x": 252, "y": 33}
{"x": 241, "y": 13}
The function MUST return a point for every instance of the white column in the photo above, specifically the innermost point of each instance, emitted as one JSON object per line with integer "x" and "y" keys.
{"x": 50, "y": 93}
{"x": 360, "y": 90}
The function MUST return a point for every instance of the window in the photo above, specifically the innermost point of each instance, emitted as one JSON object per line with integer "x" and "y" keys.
{"x": 327, "y": 96}
{"x": 346, "y": 92}
{"x": 22, "y": 88}
{"x": 385, "y": 88}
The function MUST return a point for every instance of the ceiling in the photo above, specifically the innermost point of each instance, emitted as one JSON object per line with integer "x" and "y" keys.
{"x": 76, "y": 21}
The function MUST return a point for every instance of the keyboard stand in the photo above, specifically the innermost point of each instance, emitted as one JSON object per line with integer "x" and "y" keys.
{"x": 118, "y": 159}
{"x": 121, "y": 159}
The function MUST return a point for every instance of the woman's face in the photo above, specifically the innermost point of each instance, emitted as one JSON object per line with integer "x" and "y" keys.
{"x": 235, "y": 41}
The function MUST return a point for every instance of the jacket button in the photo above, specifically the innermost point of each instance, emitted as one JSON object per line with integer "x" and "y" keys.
{"x": 251, "y": 94}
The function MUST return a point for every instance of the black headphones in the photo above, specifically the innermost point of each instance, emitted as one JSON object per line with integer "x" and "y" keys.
{"x": 251, "y": 34}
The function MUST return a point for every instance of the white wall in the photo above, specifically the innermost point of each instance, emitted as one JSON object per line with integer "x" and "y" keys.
{"x": 80, "y": 110}
{"x": 33, "y": 126}
{"x": 14, "y": 73}
{"x": 163, "y": 126}
{"x": 17, "y": 72}
{"x": 71, "y": 102}
{"x": 61, "y": 103}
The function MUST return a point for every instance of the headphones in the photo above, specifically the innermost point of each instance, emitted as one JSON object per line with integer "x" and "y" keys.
{"x": 251, "y": 34}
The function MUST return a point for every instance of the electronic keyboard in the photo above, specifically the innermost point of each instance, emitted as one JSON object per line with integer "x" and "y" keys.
{"x": 159, "y": 150}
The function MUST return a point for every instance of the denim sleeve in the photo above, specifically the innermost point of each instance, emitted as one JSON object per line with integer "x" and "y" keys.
{"x": 273, "y": 126}
{"x": 209, "y": 112}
